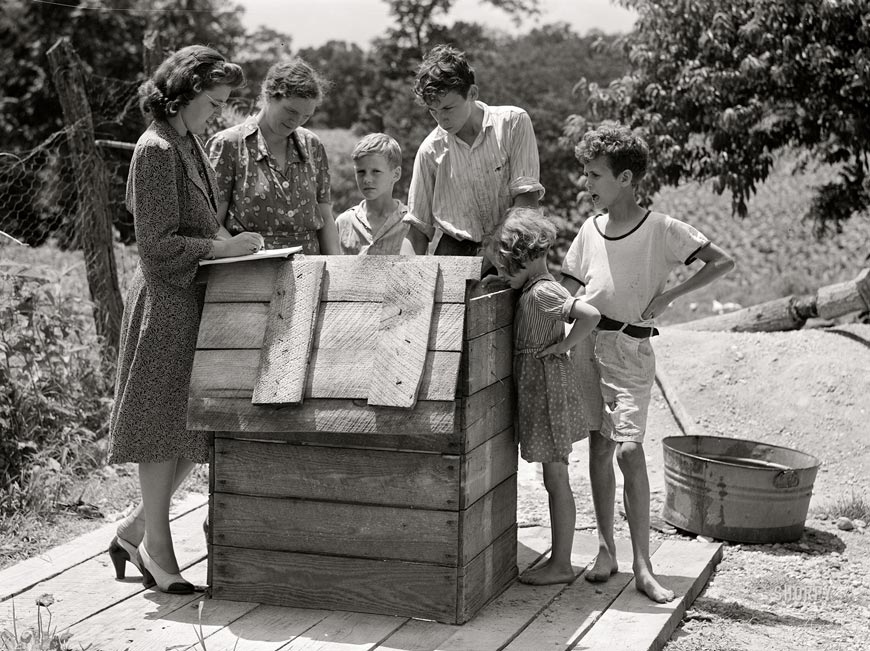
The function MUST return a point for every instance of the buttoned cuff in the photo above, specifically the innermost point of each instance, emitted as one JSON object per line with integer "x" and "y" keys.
{"x": 524, "y": 184}
{"x": 427, "y": 229}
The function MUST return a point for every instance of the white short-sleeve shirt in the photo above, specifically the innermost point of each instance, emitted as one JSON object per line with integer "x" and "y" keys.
{"x": 623, "y": 274}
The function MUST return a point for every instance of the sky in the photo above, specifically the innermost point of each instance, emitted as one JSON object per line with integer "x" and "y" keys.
{"x": 313, "y": 22}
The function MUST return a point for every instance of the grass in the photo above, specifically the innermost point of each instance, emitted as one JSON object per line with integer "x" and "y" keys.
{"x": 855, "y": 506}
{"x": 41, "y": 637}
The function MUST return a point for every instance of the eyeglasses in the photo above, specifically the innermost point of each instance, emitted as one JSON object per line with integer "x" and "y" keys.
{"x": 216, "y": 104}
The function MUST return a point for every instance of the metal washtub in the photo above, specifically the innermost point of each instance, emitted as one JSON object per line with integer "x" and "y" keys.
{"x": 737, "y": 490}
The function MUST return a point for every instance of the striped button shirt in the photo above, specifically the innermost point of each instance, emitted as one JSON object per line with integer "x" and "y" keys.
{"x": 465, "y": 189}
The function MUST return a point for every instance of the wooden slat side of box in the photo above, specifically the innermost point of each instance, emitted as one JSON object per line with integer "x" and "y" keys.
{"x": 487, "y": 519}
{"x": 341, "y": 325}
{"x": 486, "y": 466}
{"x": 253, "y": 281}
{"x": 332, "y": 373}
{"x": 282, "y": 365}
{"x": 340, "y": 529}
{"x": 271, "y": 469}
{"x": 486, "y": 359}
{"x": 333, "y": 582}
{"x": 431, "y": 426}
{"x": 486, "y": 413}
{"x": 487, "y": 575}
{"x": 489, "y": 312}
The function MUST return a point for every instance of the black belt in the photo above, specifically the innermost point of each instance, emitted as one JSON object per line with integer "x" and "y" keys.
{"x": 638, "y": 332}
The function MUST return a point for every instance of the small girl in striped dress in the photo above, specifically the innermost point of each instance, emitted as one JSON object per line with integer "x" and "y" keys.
{"x": 549, "y": 405}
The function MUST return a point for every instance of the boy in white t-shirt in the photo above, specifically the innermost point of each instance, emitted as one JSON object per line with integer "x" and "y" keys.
{"x": 623, "y": 257}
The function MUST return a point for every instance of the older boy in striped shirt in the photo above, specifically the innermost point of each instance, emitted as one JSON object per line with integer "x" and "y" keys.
{"x": 479, "y": 161}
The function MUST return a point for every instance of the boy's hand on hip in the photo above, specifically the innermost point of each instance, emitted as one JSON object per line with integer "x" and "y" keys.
{"x": 655, "y": 308}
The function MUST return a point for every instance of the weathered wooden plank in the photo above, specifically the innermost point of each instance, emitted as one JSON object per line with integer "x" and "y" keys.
{"x": 348, "y": 374}
{"x": 684, "y": 567}
{"x": 360, "y": 585}
{"x": 487, "y": 519}
{"x": 154, "y": 620}
{"x": 233, "y": 325}
{"x": 482, "y": 632}
{"x": 489, "y": 312}
{"x": 347, "y": 278}
{"x": 345, "y": 632}
{"x": 332, "y": 373}
{"x": 283, "y": 359}
{"x": 263, "y": 628}
{"x": 341, "y": 325}
{"x": 488, "y": 465}
{"x": 26, "y": 574}
{"x": 339, "y": 529}
{"x": 487, "y": 575}
{"x": 485, "y": 413}
{"x": 487, "y": 359}
{"x": 89, "y": 587}
{"x": 403, "y": 333}
{"x": 580, "y": 604}
{"x": 414, "y": 479}
{"x": 346, "y": 417}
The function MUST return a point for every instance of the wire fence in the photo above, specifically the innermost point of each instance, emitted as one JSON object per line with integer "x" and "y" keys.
{"x": 55, "y": 196}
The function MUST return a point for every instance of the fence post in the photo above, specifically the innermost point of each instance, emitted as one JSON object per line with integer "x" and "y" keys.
{"x": 94, "y": 223}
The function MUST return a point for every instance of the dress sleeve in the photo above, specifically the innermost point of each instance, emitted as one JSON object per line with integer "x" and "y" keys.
{"x": 524, "y": 163}
{"x": 223, "y": 156}
{"x": 421, "y": 193}
{"x": 553, "y": 301}
{"x": 152, "y": 197}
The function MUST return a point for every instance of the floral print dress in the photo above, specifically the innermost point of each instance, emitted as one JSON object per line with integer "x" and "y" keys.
{"x": 549, "y": 406}
{"x": 279, "y": 203}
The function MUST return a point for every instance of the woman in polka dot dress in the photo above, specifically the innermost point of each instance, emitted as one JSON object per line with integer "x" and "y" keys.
{"x": 549, "y": 405}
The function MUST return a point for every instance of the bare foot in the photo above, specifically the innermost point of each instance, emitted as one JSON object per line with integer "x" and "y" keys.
{"x": 602, "y": 568}
{"x": 646, "y": 583}
{"x": 547, "y": 574}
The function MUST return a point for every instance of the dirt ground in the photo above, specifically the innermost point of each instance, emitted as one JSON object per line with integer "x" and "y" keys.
{"x": 808, "y": 390}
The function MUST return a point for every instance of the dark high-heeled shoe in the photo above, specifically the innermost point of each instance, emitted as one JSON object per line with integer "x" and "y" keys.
{"x": 155, "y": 576}
{"x": 121, "y": 552}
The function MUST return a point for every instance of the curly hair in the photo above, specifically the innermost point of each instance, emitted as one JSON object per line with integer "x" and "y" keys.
{"x": 444, "y": 69}
{"x": 379, "y": 143}
{"x": 293, "y": 78}
{"x": 620, "y": 147}
{"x": 524, "y": 235}
{"x": 183, "y": 76}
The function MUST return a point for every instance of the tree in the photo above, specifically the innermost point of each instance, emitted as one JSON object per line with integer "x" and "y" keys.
{"x": 718, "y": 93}
{"x": 537, "y": 71}
{"x": 346, "y": 68}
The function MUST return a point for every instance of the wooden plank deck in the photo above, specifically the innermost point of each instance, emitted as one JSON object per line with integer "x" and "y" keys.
{"x": 120, "y": 616}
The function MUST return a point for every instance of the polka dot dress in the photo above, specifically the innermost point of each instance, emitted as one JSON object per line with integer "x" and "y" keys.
{"x": 550, "y": 415}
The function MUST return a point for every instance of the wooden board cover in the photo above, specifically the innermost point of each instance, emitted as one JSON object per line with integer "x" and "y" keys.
{"x": 289, "y": 333}
{"x": 403, "y": 335}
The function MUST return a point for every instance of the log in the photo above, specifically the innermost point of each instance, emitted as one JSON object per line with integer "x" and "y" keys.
{"x": 95, "y": 225}
{"x": 792, "y": 312}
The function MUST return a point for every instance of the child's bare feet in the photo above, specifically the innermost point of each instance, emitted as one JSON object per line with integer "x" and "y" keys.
{"x": 603, "y": 567}
{"x": 547, "y": 574}
{"x": 646, "y": 583}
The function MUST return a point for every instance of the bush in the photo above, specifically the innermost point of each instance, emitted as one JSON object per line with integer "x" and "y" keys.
{"x": 54, "y": 397}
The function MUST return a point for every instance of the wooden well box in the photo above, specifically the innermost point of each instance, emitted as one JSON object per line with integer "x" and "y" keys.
{"x": 363, "y": 457}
